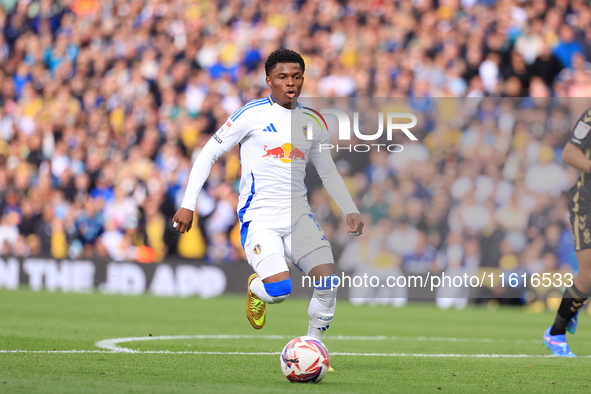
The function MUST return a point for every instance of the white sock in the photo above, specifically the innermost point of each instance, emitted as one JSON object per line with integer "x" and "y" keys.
{"x": 258, "y": 288}
{"x": 321, "y": 312}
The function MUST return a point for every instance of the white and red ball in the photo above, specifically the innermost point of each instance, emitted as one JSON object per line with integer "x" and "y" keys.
{"x": 304, "y": 359}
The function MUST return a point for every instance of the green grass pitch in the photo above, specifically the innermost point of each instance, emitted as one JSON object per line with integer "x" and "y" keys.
{"x": 416, "y": 337}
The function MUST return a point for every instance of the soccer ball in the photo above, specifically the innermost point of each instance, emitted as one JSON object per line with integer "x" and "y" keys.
{"x": 304, "y": 359}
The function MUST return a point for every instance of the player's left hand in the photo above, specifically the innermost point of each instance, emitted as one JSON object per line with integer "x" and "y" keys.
{"x": 355, "y": 224}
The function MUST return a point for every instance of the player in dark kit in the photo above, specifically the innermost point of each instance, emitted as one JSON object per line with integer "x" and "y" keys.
{"x": 576, "y": 153}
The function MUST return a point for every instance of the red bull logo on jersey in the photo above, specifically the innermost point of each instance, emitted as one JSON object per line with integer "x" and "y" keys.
{"x": 286, "y": 153}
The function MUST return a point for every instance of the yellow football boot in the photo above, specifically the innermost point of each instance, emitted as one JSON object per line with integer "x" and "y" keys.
{"x": 256, "y": 309}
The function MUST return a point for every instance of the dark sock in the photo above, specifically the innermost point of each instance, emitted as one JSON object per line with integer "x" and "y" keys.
{"x": 572, "y": 300}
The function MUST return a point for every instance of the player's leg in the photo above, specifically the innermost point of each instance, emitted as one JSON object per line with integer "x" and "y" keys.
{"x": 582, "y": 283}
{"x": 572, "y": 298}
{"x": 319, "y": 265}
{"x": 271, "y": 282}
{"x": 274, "y": 288}
{"x": 310, "y": 250}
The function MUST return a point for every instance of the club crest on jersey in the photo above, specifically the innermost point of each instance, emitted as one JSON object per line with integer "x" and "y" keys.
{"x": 286, "y": 153}
{"x": 257, "y": 249}
{"x": 305, "y": 131}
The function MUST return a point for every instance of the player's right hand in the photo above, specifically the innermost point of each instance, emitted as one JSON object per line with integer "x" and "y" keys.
{"x": 183, "y": 219}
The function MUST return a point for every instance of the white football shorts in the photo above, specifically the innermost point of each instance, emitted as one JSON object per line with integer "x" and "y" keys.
{"x": 278, "y": 236}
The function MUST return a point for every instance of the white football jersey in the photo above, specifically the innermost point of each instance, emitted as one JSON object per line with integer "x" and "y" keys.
{"x": 272, "y": 155}
{"x": 274, "y": 150}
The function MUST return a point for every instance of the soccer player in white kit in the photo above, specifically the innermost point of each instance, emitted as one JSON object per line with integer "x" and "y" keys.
{"x": 276, "y": 221}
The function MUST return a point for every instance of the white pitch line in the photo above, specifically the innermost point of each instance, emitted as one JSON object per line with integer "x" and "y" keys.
{"x": 111, "y": 344}
{"x": 430, "y": 339}
{"x": 441, "y": 355}
{"x": 54, "y": 351}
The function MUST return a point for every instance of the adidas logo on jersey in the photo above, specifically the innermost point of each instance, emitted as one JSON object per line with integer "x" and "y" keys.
{"x": 271, "y": 128}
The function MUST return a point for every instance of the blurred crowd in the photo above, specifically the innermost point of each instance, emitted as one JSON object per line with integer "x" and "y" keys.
{"x": 105, "y": 104}
{"x": 483, "y": 188}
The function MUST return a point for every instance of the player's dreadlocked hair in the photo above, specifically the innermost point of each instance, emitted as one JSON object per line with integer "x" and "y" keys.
{"x": 283, "y": 56}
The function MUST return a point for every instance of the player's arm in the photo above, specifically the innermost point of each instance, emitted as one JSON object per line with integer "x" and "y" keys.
{"x": 221, "y": 142}
{"x": 334, "y": 184}
{"x": 574, "y": 156}
{"x": 573, "y": 153}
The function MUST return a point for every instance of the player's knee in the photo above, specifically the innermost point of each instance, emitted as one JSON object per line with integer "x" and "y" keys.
{"x": 585, "y": 277}
{"x": 279, "y": 299}
{"x": 583, "y": 282}
{"x": 278, "y": 291}
{"x": 330, "y": 282}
